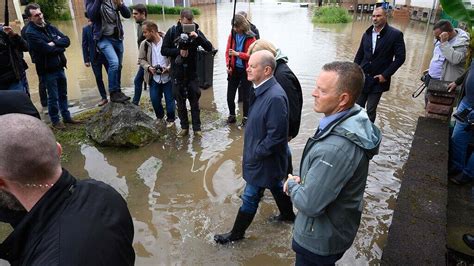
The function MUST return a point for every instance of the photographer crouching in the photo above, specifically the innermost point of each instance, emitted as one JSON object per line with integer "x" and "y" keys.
{"x": 181, "y": 43}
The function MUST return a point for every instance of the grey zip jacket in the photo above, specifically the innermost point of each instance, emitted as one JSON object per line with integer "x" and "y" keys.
{"x": 333, "y": 175}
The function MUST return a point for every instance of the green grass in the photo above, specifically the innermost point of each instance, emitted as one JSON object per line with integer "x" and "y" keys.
{"x": 331, "y": 15}
{"x": 157, "y": 9}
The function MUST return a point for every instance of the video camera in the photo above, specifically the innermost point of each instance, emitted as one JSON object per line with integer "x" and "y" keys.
{"x": 159, "y": 69}
{"x": 183, "y": 42}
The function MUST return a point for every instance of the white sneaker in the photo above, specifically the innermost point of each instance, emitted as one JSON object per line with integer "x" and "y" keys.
{"x": 169, "y": 124}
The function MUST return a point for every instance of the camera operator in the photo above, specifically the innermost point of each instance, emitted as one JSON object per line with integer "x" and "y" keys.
{"x": 181, "y": 43}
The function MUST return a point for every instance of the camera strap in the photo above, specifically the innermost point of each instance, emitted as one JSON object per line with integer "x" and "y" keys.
{"x": 419, "y": 90}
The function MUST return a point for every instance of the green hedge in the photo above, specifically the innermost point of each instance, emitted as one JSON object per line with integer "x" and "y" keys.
{"x": 55, "y": 9}
{"x": 331, "y": 14}
{"x": 157, "y": 9}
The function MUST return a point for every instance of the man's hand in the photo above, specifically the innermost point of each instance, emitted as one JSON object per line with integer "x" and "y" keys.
{"x": 8, "y": 30}
{"x": 444, "y": 37}
{"x": 229, "y": 71}
{"x": 183, "y": 53}
{"x": 380, "y": 78}
{"x": 88, "y": 64}
{"x": 152, "y": 70}
{"x": 51, "y": 44}
{"x": 233, "y": 53}
{"x": 452, "y": 86}
{"x": 294, "y": 177}
{"x": 193, "y": 34}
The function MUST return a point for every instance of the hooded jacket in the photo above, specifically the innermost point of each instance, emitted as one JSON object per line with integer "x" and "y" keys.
{"x": 333, "y": 173}
{"x": 290, "y": 84}
{"x": 75, "y": 223}
{"x": 187, "y": 69}
{"x": 455, "y": 54}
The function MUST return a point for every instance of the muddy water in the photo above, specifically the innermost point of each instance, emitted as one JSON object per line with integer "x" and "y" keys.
{"x": 182, "y": 191}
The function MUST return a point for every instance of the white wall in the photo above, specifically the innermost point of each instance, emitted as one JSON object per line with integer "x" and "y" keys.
{"x": 423, "y": 3}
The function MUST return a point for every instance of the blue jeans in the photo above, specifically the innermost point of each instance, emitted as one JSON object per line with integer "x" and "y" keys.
{"x": 15, "y": 86}
{"x": 56, "y": 86}
{"x": 138, "y": 82}
{"x": 461, "y": 137}
{"x": 112, "y": 49}
{"x": 156, "y": 94}
{"x": 97, "y": 69}
{"x": 253, "y": 194}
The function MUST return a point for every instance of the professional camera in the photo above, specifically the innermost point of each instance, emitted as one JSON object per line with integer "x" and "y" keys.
{"x": 159, "y": 69}
{"x": 466, "y": 116}
{"x": 183, "y": 41}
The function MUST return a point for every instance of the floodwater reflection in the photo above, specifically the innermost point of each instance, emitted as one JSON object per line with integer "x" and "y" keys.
{"x": 182, "y": 191}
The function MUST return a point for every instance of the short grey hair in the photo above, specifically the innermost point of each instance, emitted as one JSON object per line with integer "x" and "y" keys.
{"x": 28, "y": 149}
{"x": 350, "y": 77}
{"x": 266, "y": 59}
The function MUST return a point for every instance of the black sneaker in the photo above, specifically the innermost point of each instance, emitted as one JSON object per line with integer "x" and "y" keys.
{"x": 118, "y": 97}
{"x": 461, "y": 179}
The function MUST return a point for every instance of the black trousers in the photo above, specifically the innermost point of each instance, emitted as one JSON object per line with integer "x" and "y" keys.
{"x": 370, "y": 101}
{"x": 238, "y": 80}
{"x": 305, "y": 257}
{"x": 188, "y": 90}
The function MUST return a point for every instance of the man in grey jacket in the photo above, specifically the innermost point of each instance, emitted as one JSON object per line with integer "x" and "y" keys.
{"x": 333, "y": 172}
{"x": 450, "y": 50}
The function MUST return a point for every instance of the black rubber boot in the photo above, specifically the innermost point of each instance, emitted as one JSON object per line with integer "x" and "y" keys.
{"x": 469, "y": 240}
{"x": 242, "y": 222}
{"x": 285, "y": 206}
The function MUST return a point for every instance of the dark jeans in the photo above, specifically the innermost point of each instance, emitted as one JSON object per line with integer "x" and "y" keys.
{"x": 253, "y": 194}
{"x": 42, "y": 92}
{"x": 112, "y": 49}
{"x": 238, "y": 79}
{"x": 139, "y": 84}
{"x": 13, "y": 86}
{"x": 192, "y": 93}
{"x": 156, "y": 94}
{"x": 97, "y": 69}
{"x": 56, "y": 85}
{"x": 371, "y": 100}
{"x": 305, "y": 257}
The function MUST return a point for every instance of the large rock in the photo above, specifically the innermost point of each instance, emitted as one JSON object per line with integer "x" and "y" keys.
{"x": 122, "y": 124}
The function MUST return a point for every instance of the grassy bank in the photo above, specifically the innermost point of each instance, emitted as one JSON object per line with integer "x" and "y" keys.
{"x": 331, "y": 14}
{"x": 157, "y": 9}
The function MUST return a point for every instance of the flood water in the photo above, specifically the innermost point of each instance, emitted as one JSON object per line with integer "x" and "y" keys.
{"x": 182, "y": 191}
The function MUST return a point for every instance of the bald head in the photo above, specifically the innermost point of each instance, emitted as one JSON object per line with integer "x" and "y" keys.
{"x": 28, "y": 149}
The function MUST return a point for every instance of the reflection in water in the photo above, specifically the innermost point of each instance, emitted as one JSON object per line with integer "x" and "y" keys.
{"x": 182, "y": 191}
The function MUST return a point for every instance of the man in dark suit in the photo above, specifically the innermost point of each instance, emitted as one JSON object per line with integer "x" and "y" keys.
{"x": 265, "y": 158}
{"x": 381, "y": 53}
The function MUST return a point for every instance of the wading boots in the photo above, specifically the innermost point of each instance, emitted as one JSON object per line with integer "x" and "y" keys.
{"x": 242, "y": 222}
{"x": 285, "y": 206}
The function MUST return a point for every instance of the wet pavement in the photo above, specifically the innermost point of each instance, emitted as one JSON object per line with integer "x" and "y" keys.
{"x": 182, "y": 191}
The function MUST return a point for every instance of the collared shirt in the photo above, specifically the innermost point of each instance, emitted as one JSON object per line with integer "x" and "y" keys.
{"x": 325, "y": 121}
{"x": 375, "y": 36}
{"x": 255, "y": 87}
{"x": 158, "y": 59}
{"x": 437, "y": 61}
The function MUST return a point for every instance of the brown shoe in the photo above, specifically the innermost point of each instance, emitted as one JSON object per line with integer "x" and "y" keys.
{"x": 102, "y": 102}
{"x": 59, "y": 126}
{"x": 71, "y": 121}
{"x": 183, "y": 133}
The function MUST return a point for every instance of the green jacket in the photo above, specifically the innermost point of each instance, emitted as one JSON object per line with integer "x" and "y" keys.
{"x": 333, "y": 175}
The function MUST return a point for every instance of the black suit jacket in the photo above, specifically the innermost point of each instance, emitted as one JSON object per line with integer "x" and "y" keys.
{"x": 388, "y": 56}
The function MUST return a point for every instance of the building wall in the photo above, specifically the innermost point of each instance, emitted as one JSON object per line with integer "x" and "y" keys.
{"x": 11, "y": 11}
{"x": 422, "y": 3}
